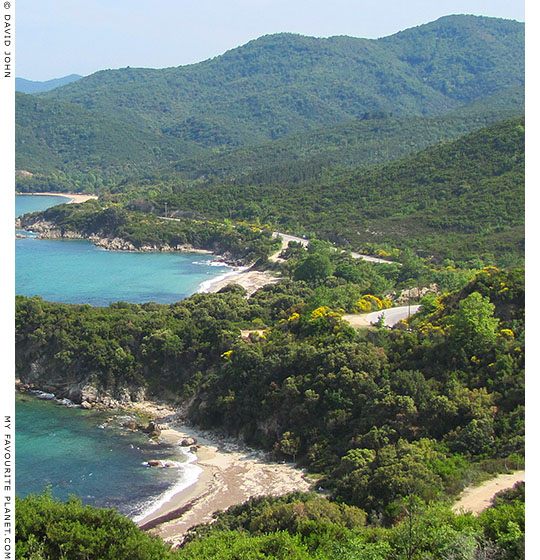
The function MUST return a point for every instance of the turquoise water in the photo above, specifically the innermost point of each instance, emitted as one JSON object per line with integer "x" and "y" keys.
{"x": 75, "y": 451}
{"x": 25, "y": 203}
{"x": 75, "y": 271}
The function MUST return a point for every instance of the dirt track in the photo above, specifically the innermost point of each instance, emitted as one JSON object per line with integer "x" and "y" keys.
{"x": 478, "y": 498}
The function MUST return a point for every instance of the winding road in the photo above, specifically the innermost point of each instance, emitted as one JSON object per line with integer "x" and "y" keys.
{"x": 392, "y": 316}
{"x": 285, "y": 238}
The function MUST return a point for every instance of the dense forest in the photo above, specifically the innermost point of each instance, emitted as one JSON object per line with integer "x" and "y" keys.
{"x": 461, "y": 200}
{"x": 408, "y": 147}
{"x": 93, "y": 132}
{"x": 380, "y": 415}
{"x": 451, "y": 200}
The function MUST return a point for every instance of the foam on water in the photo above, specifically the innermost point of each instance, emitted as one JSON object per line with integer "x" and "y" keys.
{"x": 207, "y": 285}
{"x": 189, "y": 475}
{"x": 76, "y": 451}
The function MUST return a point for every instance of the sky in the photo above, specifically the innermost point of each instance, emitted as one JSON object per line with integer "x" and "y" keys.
{"x": 61, "y": 37}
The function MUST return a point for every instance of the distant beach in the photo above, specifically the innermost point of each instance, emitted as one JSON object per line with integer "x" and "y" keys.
{"x": 250, "y": 280}
{"x": 74, "y": 198}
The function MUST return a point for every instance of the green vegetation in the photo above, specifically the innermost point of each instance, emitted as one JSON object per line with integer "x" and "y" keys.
{"x": 373, "y": 139}
{"x": 132, "y": 121}
{"x": 242, "y": 242}
{"x": 461, "y": 201}
{"x": 298, "y": 526}
{"x": 317, "y": 528}
{"x": 47, "y": 530}
{"x": 409, "y": 147}
{"x": 380, "y": 414}
{"x": 455, "y": 200}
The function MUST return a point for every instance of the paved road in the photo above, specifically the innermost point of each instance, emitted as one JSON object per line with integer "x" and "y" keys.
{"x": 392, "y": 316}
{"x": 305, "y": 242}
{"x": 286, "y": 238}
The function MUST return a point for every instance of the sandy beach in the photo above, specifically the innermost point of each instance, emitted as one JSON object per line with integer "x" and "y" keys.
{"x": 251, "y": 280}
{"x": 231, "y": 474}
{"x": 74, "y": 198}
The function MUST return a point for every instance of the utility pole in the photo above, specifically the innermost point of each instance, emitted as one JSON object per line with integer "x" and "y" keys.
{"x": 165, "y": 209}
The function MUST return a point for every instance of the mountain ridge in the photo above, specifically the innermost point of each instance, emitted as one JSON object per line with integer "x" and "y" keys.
{"x": 35, "y": 86}
{"x": 279, "y": 85}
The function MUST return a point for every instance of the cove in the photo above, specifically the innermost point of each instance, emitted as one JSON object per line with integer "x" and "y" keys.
{"x": 76, "y": 271}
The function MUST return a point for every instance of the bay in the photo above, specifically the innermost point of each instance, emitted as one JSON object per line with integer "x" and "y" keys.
{"x": 80, "y": 452}
{"x": 76, "y": 271}
{"x": 74, "y": 451}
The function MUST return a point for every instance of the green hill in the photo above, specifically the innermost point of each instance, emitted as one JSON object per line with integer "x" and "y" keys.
{"x": 370, "y": 140}
{"x": 67, "y": 146}
{"x": 452, "y": 200}
{"x": 283, "y": 83}
{"x": 274, "y": 86}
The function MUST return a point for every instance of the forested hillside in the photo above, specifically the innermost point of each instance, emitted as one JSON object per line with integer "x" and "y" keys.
{"x": 272, "y": 87}
{"x": 379, "y": 415}
{"x": 375, "y": 138}
{"x": 408, "y": 147}
{"x": 453, "y": 200}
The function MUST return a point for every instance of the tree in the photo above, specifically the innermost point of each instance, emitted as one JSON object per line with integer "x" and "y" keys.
{"x": 473, "y": 325}
{"x": 289, "y": 444}
{"x": 46, "y": 528}
{"x": 313, "y": 268}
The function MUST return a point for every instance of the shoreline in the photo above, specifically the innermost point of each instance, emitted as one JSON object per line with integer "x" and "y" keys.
{"x": 74, "y": 198}
{"x": 210, "y": 286}
{"x": 227, "y": 473}
{"x": 250, "y": 280}
{"x": 231, "y": 473}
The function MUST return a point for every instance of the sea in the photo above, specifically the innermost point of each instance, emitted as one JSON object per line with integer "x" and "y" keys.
{"x": 76, "y": 271}
{"x": 87, "y": 453}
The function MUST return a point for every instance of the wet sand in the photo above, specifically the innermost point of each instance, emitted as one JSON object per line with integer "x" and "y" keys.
{"x": 232, "y": 473}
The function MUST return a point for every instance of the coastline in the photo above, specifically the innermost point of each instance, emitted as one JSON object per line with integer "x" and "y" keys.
{"x": 231, "y": 473}
{"x": 222, "y": 472}
{"x": 74, "y": 198}
{"x": 250, "y": 280}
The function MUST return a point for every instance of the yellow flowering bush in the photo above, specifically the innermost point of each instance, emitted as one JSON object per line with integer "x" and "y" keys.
{"x": 507, "y": 334}
{"x": 370, "y": 303}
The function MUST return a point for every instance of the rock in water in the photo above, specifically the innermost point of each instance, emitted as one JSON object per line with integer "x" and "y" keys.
{"x": 152, "y": 429}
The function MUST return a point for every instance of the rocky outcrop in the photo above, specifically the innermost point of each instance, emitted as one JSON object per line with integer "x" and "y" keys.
{"x": 114, "y": 244}
{"x": 88, "y": 392}
{"x": 48, "y": 230}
